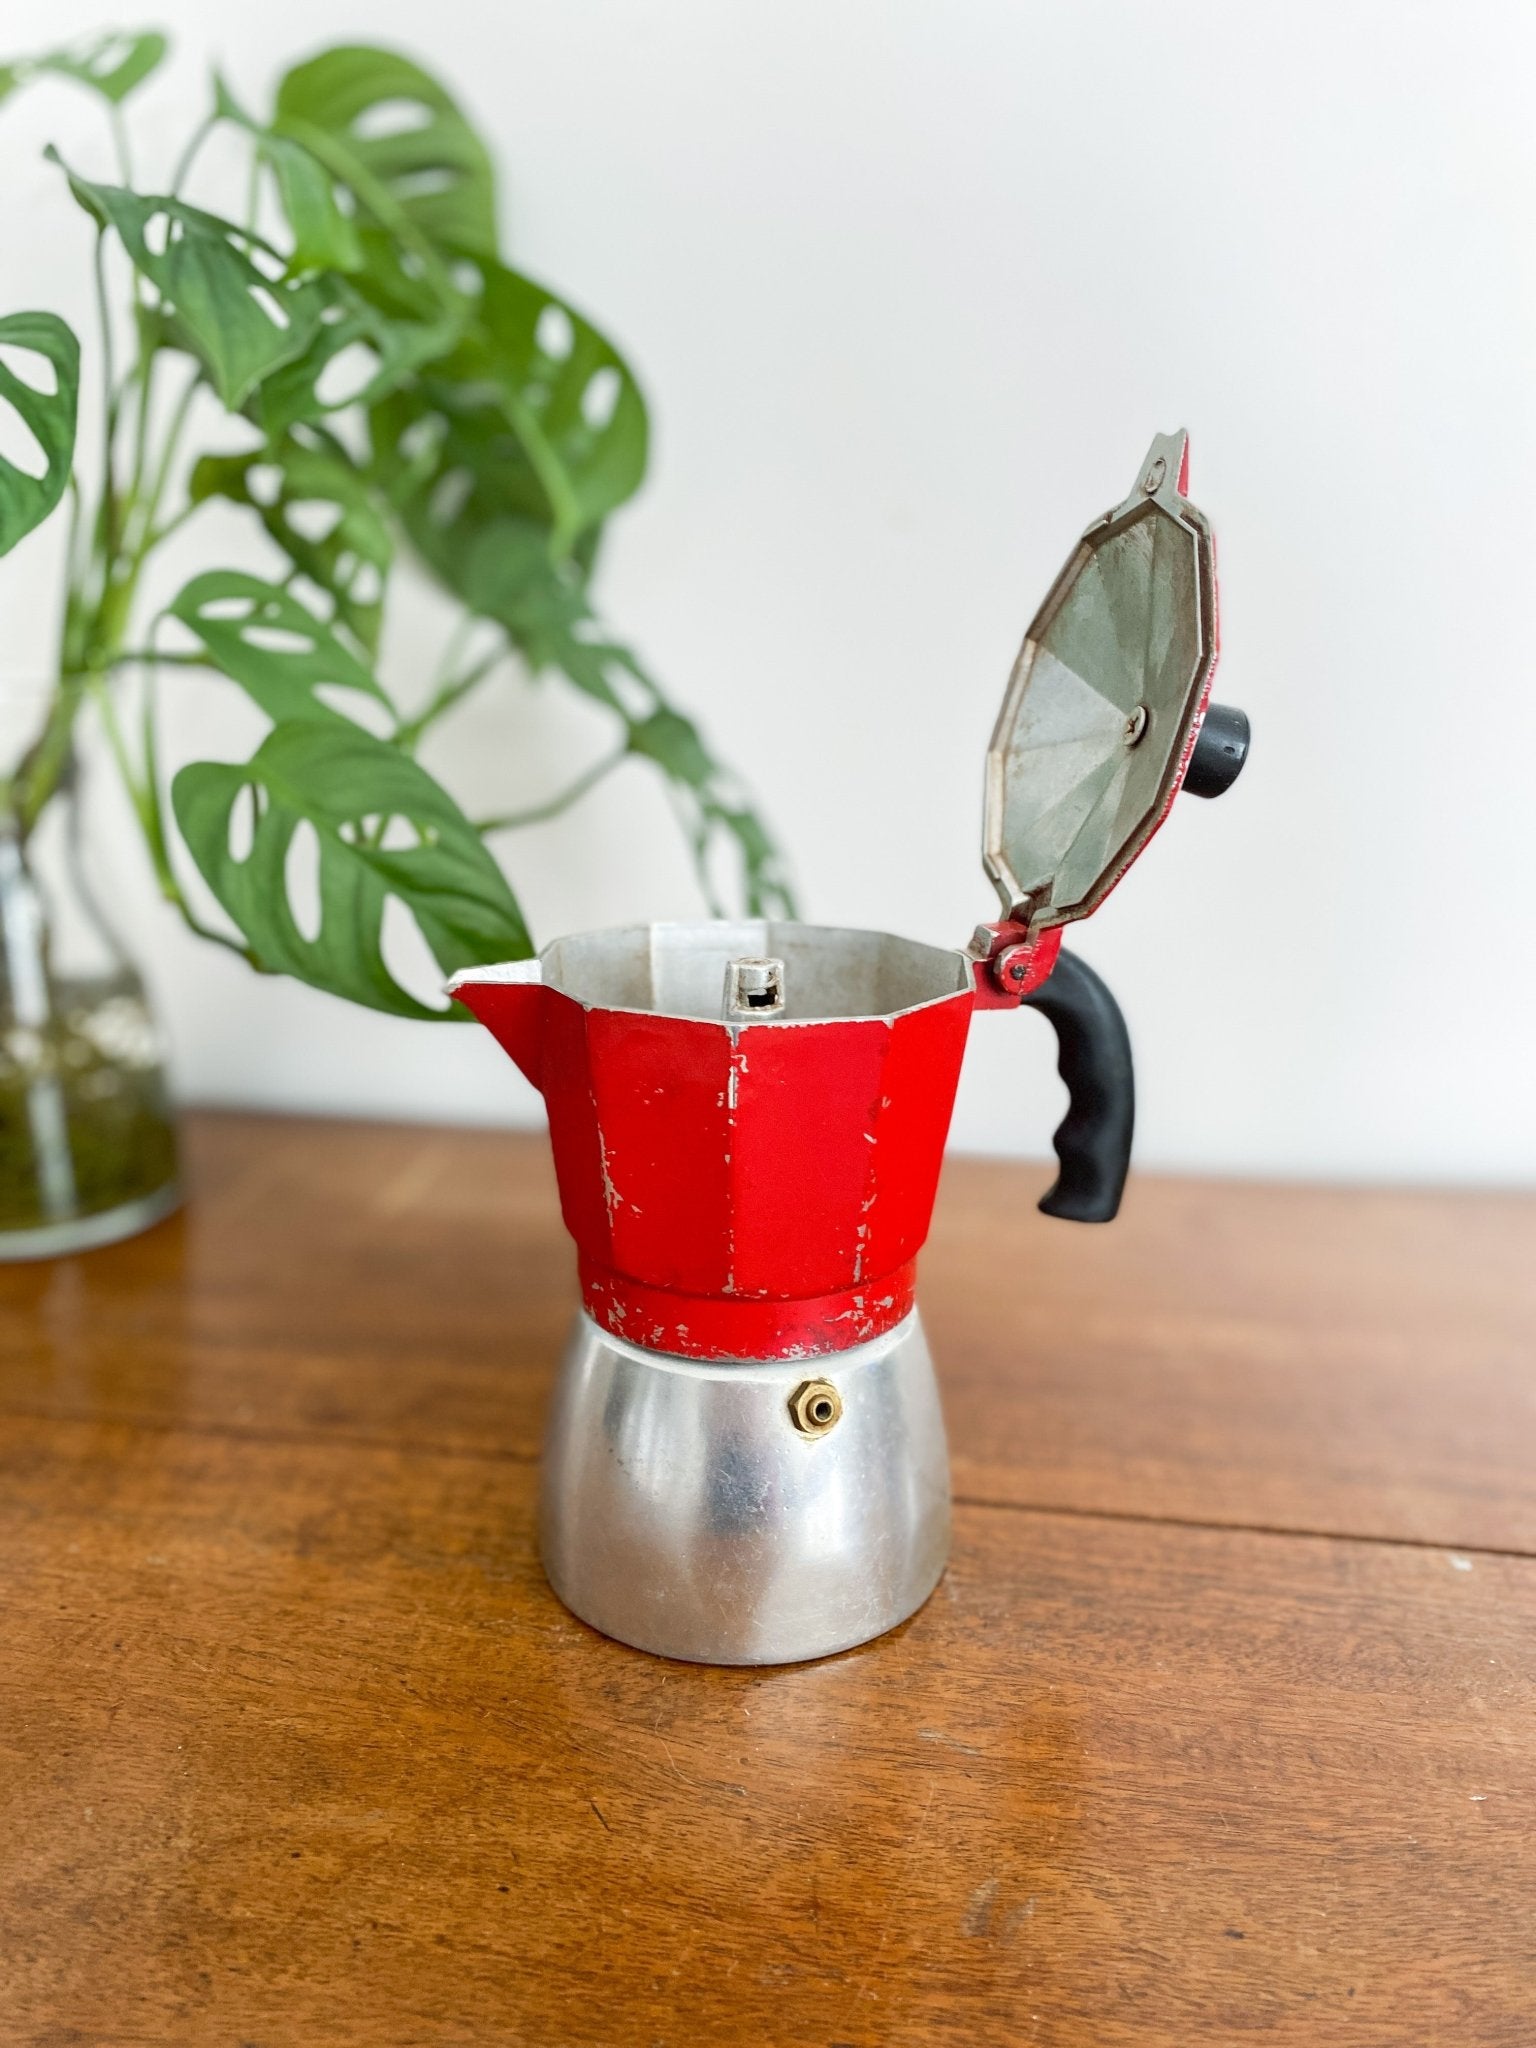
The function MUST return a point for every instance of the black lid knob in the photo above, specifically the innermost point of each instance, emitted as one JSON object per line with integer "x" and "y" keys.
{"x": 1220, "y": 751}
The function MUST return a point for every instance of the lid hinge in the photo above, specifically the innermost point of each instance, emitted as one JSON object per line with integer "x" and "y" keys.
{"x": 1010, "y": 962}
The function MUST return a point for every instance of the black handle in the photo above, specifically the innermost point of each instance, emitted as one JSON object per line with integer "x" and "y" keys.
{"x": 1220, "y": 751}
{"x": 1093, "y": 1057}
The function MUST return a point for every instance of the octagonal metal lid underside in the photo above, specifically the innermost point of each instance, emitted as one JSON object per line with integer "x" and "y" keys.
{"x": 1104, "y": 702}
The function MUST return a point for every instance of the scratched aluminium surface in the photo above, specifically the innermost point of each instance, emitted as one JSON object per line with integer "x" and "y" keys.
{"x": 1220, "y": 1725}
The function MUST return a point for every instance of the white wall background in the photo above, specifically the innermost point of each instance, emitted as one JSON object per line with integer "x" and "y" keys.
{"x": 910, "y": 287}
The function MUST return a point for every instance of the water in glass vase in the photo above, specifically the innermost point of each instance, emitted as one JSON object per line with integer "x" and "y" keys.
{"x": 87, "y": 1140}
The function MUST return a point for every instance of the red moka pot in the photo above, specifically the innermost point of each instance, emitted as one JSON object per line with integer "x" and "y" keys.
{"x": 746, "y": 1458}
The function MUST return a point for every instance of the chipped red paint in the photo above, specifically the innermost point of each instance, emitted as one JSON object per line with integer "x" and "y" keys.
{"x": 730, "y": 1326}
{"x": 739, "y": 1191}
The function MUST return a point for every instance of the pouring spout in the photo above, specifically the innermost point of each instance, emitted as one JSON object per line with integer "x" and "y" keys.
{"x": 509, "y": 1001}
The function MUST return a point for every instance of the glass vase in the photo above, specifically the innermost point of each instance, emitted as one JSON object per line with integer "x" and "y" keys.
{"x": 87, "y": 1140}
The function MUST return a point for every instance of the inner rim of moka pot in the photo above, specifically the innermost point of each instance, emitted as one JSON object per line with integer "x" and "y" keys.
{"x": 680, "y": 970}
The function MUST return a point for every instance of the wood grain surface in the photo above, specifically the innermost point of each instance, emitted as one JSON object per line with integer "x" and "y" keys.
{"x": 1335, "y": 1360}
{"x": 1222, "y": 1725}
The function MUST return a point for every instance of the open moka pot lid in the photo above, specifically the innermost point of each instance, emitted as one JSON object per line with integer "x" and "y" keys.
{"x": 1107, "y": 714}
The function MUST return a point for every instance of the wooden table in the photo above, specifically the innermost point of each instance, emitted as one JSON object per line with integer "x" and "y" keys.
{"x": 1220, "y": 1727}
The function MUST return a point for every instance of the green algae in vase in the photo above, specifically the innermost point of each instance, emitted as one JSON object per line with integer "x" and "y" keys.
{"x": 87, "y": 1141}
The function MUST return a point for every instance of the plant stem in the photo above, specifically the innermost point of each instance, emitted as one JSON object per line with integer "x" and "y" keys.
{"x": 185, "y": 161}
{"x": 132, "y": 781}
{"x": 143, "y": 381}
{"x": 96, "y": 600}
{"x": 156, "y": 657}
{"x": 108, "y": 508}
{"x": 42, "y": 766}
{"x": 101, "y": 579}
{"x": 144, "y": 794}
{"x": 120, "y": 142}
{"x": 513, "y": 821}
{"x": 458, "y": 643}
{"x": 443, "y": 700}
{"x": 150, "y": 538}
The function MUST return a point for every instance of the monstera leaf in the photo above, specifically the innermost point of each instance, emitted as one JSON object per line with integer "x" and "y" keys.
{"x": 273, "y": 646}
{"x": 324, "y": 237}
{"x": 568, "y": 395}
{"x": 395, "y": 137}
{"x": 385, "y": 351}
{"x": 26, "y": 498}
{"x": 240, "y": 322}
{"x": 303, "y": 478}
{"x": 505, "y": 574}
{"x": 111, "y": 64}
{"x": 357, "y": 794}
{"x": 533, "y": 416}
{"x": 452, "y": 466}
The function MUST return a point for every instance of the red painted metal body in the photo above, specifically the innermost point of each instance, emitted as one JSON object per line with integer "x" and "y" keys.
{"x": 750, "y": 1191}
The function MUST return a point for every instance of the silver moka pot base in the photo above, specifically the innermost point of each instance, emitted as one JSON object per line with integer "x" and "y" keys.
{"x": 745, "y": 1514}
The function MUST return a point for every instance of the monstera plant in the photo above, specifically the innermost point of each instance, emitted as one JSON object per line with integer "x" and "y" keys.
{"x": 482, "y": 422}
{"x": 386, "y": 384}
